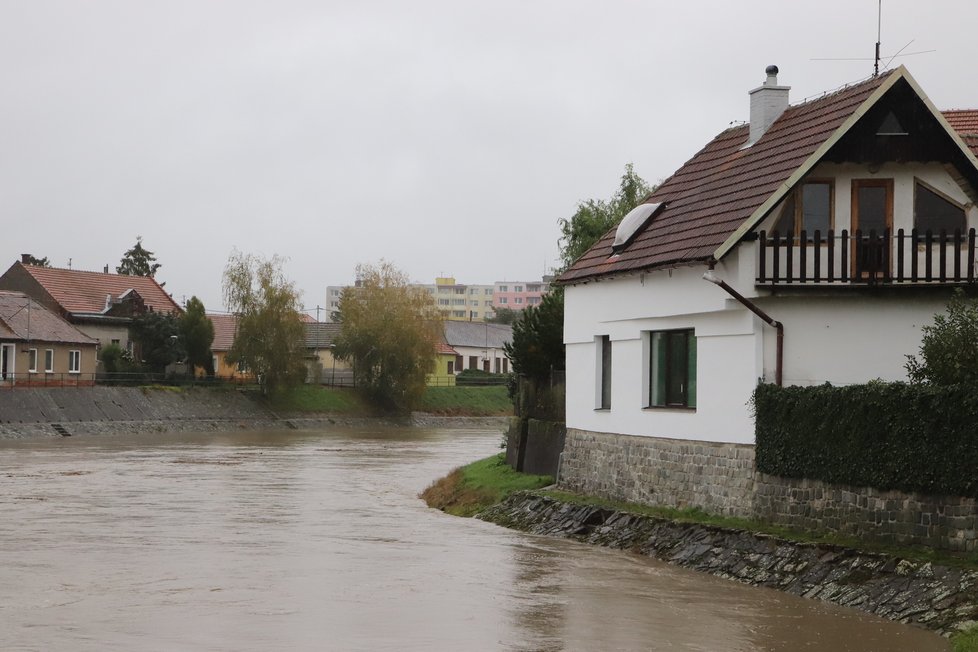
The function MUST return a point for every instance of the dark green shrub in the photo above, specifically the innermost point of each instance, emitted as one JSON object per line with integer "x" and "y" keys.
{"x": 478, "y": 377}
{"x": 919, "y": 438}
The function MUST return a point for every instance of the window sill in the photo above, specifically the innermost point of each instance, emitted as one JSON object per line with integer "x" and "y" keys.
{"x": 668, "y": 408}
{"x": 607, "y": 409}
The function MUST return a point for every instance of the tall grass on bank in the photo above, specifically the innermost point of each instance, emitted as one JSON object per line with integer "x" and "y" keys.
{"x": 469, "y": 489}
{"x": 483, "y": 401}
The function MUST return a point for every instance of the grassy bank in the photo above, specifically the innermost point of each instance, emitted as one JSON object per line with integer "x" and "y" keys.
{"x": 485, "y": 401}
{"x": 469, "y": 489}
{"x": 449, "y": 401}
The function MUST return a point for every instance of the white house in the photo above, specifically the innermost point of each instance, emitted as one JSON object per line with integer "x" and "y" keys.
{"x": 479, "y": 345}
{"x": 842, "y": 223}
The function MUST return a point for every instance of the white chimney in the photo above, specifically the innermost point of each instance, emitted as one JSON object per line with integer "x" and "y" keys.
{"x": 767, "y": 102}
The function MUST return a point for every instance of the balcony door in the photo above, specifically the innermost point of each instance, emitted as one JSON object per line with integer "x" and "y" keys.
{"x": 872, "y": 219}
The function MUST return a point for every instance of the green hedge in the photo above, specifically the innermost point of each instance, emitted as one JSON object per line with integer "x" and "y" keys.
{"x": 918, "y": 438}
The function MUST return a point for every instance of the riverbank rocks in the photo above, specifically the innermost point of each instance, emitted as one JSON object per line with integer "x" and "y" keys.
{"x": 941, "y": 598}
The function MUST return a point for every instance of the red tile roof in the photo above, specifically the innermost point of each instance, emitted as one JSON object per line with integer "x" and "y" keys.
{"x": 717, "y": 190}
{"x": 84, "y": 292}
{"x": 964, "y": 121}
{"x": 445, "y": 349}
{"x": 34, "y": 322}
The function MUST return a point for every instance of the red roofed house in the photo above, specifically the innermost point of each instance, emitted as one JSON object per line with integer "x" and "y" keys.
{"x": 808, "y": 246}
{"x": 99, "y": 304}
{"x": 37, "y": 347}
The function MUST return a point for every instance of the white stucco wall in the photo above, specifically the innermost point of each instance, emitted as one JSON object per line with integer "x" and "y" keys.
{"x": 835, "y": 335}
{"x": 840, "y": 335}
{"x": 729, "y": 355}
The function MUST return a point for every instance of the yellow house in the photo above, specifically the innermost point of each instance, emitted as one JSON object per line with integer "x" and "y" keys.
{"x": 444, "y": 374}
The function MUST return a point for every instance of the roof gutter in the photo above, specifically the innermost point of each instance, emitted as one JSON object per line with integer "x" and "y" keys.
{"x": 754, "y": 308}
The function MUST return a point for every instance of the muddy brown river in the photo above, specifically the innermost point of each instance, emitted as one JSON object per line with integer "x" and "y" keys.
{"x": 317, "y": 541}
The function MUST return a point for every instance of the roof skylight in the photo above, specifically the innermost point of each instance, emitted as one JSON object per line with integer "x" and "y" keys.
{"x": 631, "y": 223}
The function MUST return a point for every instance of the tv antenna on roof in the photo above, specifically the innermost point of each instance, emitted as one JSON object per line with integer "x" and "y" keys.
{"x": 877, "y": 56}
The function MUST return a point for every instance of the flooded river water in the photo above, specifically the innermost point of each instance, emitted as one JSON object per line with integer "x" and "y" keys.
{"x": 317, "y": 541}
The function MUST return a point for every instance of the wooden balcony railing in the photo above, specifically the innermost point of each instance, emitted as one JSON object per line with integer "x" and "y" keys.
{"x": 866, "y": 257}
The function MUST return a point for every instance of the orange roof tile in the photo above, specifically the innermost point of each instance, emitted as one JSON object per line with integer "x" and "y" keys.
{"x": 79, "y": 291}
{"x": 445, "y": 349}
{"x": 964, "y": 121}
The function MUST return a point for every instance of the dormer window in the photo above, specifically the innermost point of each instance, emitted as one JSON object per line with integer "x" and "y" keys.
{"x": 935, "y": 212}
{"x": 809, "y": 207}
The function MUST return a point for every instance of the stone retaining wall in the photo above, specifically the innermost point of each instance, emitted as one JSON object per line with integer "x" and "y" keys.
{"x": 940, "y": 598}
{"x": 35, "y": 412}
{"x": 946, "y": 522}
{"x": 720, "y": 479}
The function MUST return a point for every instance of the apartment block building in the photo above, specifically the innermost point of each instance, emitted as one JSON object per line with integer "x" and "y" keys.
{"x": 464, "y": 301}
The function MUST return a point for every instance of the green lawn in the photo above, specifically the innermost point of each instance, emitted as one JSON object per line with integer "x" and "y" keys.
{"x": 316, "y": 398}
{"x": 468, "y": 401}
{"x": 450, "y": 401}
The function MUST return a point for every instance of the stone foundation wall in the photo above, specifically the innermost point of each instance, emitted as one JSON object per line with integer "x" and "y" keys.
{"x": 664, "y": 472}
{"x": 720, "y": 479}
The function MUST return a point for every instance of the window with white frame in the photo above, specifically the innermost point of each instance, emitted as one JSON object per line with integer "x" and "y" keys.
{"x": 672, "y": 369}
{"x": 517, "y": 288}
{"x": 503, "y": 300}
{"x": 74, "y": 361}
{"x": 32, "y": 360}
{"x": 504, "y": 288}
{"x": 49, "y": 360}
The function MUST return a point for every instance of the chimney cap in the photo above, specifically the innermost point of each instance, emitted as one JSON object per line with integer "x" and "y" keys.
{"x": 772, "y": 70}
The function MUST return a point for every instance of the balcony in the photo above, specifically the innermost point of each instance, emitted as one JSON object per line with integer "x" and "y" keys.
{"x": 866, "y": 258}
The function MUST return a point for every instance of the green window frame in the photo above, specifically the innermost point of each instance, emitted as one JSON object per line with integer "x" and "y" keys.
{"x": 672, "y": 369}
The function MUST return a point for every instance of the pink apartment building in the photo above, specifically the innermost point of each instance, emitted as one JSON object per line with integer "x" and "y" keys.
{"x": 517, "y": 295}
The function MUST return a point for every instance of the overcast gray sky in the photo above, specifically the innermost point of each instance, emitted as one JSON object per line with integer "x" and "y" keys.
{"x": 447, "y": 137}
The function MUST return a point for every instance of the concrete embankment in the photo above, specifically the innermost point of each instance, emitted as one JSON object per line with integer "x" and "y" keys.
{"x": 55, "y": 412}
{"x": 940, "y": 598}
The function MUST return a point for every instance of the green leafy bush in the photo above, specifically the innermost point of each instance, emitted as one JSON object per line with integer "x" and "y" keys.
{"x": 949, "y": 350}
{"x": 919, "y": 438}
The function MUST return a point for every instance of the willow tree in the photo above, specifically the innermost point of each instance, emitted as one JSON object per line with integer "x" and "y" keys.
{"x": 269, "y": 339}
{"x": 388, "y": 331}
